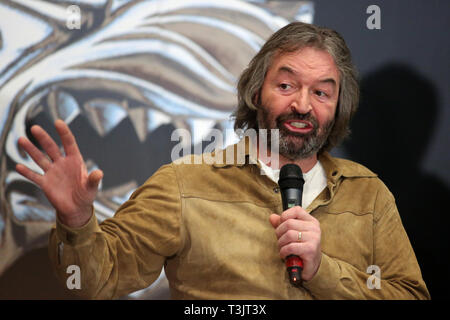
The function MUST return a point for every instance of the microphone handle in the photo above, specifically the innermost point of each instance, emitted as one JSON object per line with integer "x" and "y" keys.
{"x": 293, "y": 197}
{"x": 294, "y": 266}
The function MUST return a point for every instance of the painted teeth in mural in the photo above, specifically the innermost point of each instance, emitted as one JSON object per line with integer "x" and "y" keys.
{"x": 123, "y": 78}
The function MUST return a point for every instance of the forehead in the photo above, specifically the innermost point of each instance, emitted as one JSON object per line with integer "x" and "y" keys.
{"x": 306, "y": 61}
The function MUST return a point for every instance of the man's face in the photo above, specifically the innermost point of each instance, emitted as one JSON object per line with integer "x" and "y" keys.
{"x": 299, "y": 97}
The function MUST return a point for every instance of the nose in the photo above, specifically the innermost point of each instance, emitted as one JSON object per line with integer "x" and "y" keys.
{"x": 301, "y": 103}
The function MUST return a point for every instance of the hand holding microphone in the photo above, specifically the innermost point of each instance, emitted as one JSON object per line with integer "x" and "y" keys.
{"x": 297, "y": 231}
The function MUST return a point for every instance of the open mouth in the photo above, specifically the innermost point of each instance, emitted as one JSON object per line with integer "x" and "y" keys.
{"x": 299, "y": 126}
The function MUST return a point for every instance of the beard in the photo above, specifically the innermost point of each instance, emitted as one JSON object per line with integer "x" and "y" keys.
{"x": 294, "y": 145}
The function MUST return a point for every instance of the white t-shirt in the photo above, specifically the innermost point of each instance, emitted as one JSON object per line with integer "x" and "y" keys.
{"x": 315, "y": 181}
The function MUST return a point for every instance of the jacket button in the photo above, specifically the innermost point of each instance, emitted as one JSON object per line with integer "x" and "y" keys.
{"x": 276, "y": 189}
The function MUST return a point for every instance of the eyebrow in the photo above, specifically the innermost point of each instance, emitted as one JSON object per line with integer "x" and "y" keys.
{"x": 286, "y": 69}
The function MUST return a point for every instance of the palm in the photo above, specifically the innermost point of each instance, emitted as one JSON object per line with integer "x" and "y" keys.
{"x": 65, "y": 182}
{"x": 65, "y": 185}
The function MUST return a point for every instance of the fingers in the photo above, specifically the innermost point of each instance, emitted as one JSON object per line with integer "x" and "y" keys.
{"x": 292, "y": 224}
{"x": 293, "y": 236}
{"x": 67, "y": 138}
{"x": 94, "y": 179}
{"x": 295, "y": 218}
{"x": 292, "y": 213}
{"x": 275, "y": 220}
{"x": 46, "y": 142}
{"x": 297, "y": 249}
{"x": 41, "y": 160}
{"x": 305, "y": 248}
{"x": 50, "y": 148}
{"x": 296, "y": 213}
{"x": 29, "y": 174}
{"x": 288, "y": 227}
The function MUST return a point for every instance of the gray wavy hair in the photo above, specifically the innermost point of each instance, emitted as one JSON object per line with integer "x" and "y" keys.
{"x": 290, "y": 38}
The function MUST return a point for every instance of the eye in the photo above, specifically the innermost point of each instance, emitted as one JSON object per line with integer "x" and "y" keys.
{"x": 321, "y": 94}
{"x": 285, "y": 86}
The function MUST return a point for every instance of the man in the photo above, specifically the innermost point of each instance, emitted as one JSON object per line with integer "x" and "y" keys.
{"x": 220, "y": 230}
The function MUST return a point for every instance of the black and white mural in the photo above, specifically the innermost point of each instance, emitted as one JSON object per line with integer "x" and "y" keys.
{"x": 123, "y": 74}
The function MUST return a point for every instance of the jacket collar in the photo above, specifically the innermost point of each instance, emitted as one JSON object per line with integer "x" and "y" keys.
{"x": 335, "y": 168}
{"x": 239, "y": 154}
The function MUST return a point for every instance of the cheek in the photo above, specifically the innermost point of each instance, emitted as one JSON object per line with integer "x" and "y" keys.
{"x": 276, "y": 105}
{"x": 274, "y": 101}
{"x": 265, "y": 118}
{"x": 324, "y": 113}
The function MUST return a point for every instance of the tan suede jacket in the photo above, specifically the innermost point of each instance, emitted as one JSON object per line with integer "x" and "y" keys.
{"x": 208, "y": 225}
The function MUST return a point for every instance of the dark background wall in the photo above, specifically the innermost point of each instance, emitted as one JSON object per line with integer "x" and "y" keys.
{"x": 401, "y": 130}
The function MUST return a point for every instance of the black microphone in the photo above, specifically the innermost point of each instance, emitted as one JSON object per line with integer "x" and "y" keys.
{"x": 291, "y": 186}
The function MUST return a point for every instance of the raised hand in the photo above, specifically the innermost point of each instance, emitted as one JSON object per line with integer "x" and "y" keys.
{"x": 65, "y": 182}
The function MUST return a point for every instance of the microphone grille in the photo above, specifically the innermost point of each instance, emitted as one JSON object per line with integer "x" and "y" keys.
{"x": 291, "y": 176}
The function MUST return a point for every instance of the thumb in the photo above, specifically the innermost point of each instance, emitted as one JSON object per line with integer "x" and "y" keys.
{"x": 94, "y": 179}
{"x": 275, "y": 220}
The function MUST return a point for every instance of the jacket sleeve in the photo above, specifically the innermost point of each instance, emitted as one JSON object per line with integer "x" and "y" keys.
{"x": 395, "y": 274}
{"x": 127, "y": 252}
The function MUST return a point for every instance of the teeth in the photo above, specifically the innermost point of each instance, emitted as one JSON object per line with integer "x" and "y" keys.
{"x": 299, "y": 124}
